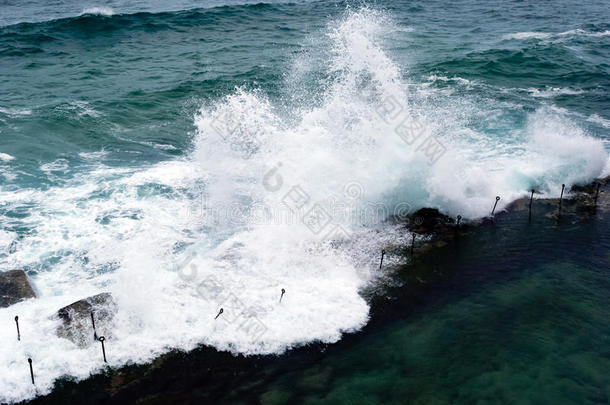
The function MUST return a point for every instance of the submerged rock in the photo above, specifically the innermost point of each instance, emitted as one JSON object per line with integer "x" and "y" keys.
{"x": 14, "y": 287}
{"x": 77, "y": 325}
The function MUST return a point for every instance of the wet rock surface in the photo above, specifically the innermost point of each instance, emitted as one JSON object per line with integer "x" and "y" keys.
{"x": 578, "y": 202}
{"x": 429, "y": 220}
{"x": 14, "y": 287}
{"x": 77, "y": 324}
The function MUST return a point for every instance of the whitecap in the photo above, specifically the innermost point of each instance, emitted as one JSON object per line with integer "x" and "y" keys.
{"x": 5, "y": 157}
{"x": 553, "y": 35}
{"x": 526, "y": 35}
{"x": 550, "y": 92}
{"x": 104, "y": 11}
{"x": 15, "y": 112}
{"x": 597, "y": 119}
{"x": 93, "y": 155}
{"x": 57, "y": 166}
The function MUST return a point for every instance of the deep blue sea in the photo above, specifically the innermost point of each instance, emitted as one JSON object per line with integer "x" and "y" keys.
{"x": 263, "y": 146}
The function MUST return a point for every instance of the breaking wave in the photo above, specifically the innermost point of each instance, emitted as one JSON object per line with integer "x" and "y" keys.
{"x": 299, "y": 195}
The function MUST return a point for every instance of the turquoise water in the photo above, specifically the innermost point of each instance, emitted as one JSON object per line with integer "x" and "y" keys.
{"x": 114, "y": 168}
{"x": 144, "y": 71}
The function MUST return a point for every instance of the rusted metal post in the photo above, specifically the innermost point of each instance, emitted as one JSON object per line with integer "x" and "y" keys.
{"x": 94, "y": 331}
{"x": 494, "y": 209}
{"x": 31, "y": 371}
{"x": 563, "y": 186}
{"x": 17, "y": 323}
{"x": 102, "y": 339}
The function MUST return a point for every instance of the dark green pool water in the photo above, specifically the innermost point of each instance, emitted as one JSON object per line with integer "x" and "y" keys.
{"x": 514, "y": 313}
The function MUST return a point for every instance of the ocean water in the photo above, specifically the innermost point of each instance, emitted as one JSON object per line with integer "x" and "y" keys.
{"x": 189, "y": 156}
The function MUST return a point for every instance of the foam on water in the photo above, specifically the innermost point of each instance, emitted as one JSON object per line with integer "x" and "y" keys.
{"x": 79, "y": 109}
{"x": 105, "y": 11}
{"x": 527, "y": 35}
{"x": 6, "y": 239}
{"x": 5, "y": 168}
{"x": 5, "y": 157}
{"x": 551, "y": 92}
{"x": 15, "y": 112}
{"x": 554, "y": 35}
{"x": 599, "y": 120}
{"x": 351, "y": 137}
{"x": 273, "y": 196}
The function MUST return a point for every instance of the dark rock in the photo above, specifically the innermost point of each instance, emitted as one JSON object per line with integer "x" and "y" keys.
{"x": 76, "y": 319}
{"x": 429, "y": 220}
{"x": 14, "y": 287}
{"x": 591, "y": 188}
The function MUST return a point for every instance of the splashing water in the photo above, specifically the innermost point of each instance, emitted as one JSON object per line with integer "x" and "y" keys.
{"x": 272, "y": 196}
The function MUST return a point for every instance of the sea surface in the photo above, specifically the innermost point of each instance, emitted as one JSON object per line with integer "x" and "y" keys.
{"x": 190, "y": 156}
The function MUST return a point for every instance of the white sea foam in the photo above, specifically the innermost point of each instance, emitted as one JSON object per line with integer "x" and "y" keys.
{"x": 527, "y": 35}
{"x": 585, "y": 33}
{"x": 105, "y": 11}
{"x": 437, "y": 78}
{"x": 550, "y": 92}
{"x": 94, "y": 156}
{"x": 599, "y": 120}
{"x": 5, "y": 170}
{"x": 54, "y": 168}
{"x": 162, "y": 146}
{"x": 554, "y": 35}
{"x": 79, "y": 107}
{"x": 5, "y": 157}
{"x": 235, "y": 203}
{"x": 15, "y": 112}
{"x": 6, "y": 239}
{"x": 7, "y": 173}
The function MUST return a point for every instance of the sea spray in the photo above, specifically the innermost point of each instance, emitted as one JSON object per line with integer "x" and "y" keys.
{"x": 346, "y": 166}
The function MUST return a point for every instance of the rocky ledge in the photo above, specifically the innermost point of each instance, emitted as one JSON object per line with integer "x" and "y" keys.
{"x": 84, "y": 321}
{"x": 14, "y": 287}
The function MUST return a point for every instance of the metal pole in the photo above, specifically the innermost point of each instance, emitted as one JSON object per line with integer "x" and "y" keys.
{"x": 102, "y": 339}
{"x": 94, "y": 331}
{"x": 496, "y": 203}
{"x": 31, "y": 370}
{"x": 18, "y": 333}
{"x": 563, "y": 186}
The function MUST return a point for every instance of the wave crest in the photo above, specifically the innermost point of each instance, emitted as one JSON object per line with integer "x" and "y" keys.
{"x": 102, "y": 11}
